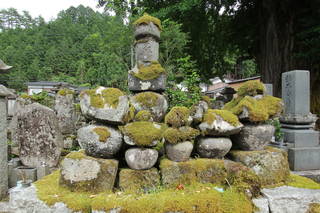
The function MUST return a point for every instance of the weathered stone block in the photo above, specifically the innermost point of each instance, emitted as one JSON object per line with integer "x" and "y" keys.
{"x": 301, "y": 137}
{"x": 147, "y": 49}
{"x": 271, "y": 164}
{"x": 158, "y": 84}
{"x": 106, "y": 104}
{"x": 25, "y": 173}
{"x": 307, "y": 158}
{"x": 13, "y": 163}
{"x": 141, "y": 158}
{"x": 209, "y": 147}
{"x": 153, "y": 102}
{"x": 180, "y": 151}
{"x": 139, "y": 180}
{"x": 145, "y": 29}
{"x": 39, "y": 136}
{"x": 3, "y": 146}
{"x": 253, "y": 137}
{"x": 100, "y": 141}
{"x": 83, "y": 173}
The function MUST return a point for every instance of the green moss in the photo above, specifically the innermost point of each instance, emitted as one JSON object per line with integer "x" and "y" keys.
{"x": 173, "y": 135}
{"x": 314, "y": 208}
{"x": 178, "y": 116}
{"x": 251, "y": 88}
{"x": 302, "y": 182}
{"x": 210, "y": 116}
{"x": 200, "y": 198}
{"x": 77, "y": 107}
{"x": 153, "y": 71}
{"x": 65, "y": 91}
{"x": 77, "y": 155}
{"x": 147, "y": 99}
{"x": 25, "y": 96}
{"x": 274, "y": 105}
{"x": 146, "y": 19}
{"x": 50, "y": 192}
{"x": 143, "y": 115}
{"x": 108, "y": 96}
{"x": 207, "y": 99}
{"x": 143, "y": 133}
{"x": 130, "y": 115}
{"x": 103, "y": 133}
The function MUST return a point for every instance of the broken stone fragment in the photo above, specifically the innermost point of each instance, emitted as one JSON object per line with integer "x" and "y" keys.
{"x": 39, "y": 136}
{"x": 152, "y": 102}
{"x": 270, "y": 164}
{"x": 139, "y": 180}
{"x": 220, "y": 123}
{"x": 253, "y": 137}
{"x": 209, "y": 147}
{"x": 100, "y": 141}
{"x": 105, "y": 104}
{"x": 80, "y": 172}
{"x": 141, "y": 158}
{"x": 198, "y": 111}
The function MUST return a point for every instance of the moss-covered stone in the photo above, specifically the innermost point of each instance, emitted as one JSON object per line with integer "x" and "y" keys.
{"x": 143, "y": 115}
{"x": 210, "y": 116}
{"x": 314, "y": 208}
{"x": 206, "y": 98}
{"x": 130, "y": 115}
{"x": 139, "y": 180}
{"x": 149, "y": 72}
{"x": 176, "y": 135}
{"x": 83, "y": 173}
{"x": 103, "y": 133}
{"x": 251, "y": 88}
{"x": 271, "y": 164}
{"x": 143, "y": 133}
{"x": 302, "y": 182}
{"x": 147, "y": 99}
{"x": 146, "y": 19}
{"x": 65, "y": 91}
{"x": 99, "y": 98}
{"x": 25, "y": 96}
{"x": 178, "y": 116}
{"x": 259, "y": 109}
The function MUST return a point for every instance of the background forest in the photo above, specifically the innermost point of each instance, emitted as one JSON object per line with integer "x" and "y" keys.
{"x": 238, "y": 38}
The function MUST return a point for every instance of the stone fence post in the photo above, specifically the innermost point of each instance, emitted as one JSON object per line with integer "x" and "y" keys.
{"x": 4, "y": 92}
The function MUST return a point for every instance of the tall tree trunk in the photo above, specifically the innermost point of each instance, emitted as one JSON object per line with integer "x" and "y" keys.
{"x": 276, "y": 40}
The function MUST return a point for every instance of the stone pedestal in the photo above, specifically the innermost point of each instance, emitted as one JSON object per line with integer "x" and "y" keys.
{"x": 297, "y": 122}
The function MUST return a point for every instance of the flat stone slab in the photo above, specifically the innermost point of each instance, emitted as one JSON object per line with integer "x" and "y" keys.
{"x": 139, "y": 180}
{"x": 306, "y": 158}
{"x": 287, "y": 199}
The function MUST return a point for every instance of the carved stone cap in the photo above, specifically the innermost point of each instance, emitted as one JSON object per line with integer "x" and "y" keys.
{"x": 3, "y": 66}
{"x": 4, "y": 91}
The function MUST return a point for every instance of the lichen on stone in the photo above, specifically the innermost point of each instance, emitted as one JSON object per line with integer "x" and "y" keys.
{"x": 143, "y": 133}
{"x": 176, "y": 135}
{"x": 143, "y": 115}
{"x": 251, "y": 88}
{"x": 77, "y": 155}
{"x": 108, "y": 96}
{"x": 149, "y": 72}
{"x": 314, "y": 208}
{"x": 65, "y": 91}
{"x": 102, "y": 132}
{"x": 211, "y": 115}
{"x": 178, "y": 116}
{"x": 147, "y": 99}
{"x": 146, "y": 19}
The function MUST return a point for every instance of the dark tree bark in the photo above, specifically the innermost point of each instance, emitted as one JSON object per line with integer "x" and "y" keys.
{"x": 276, "y": 40}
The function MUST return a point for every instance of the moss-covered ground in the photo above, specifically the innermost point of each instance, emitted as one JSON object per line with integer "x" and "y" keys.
{"x": 189, "y": 199}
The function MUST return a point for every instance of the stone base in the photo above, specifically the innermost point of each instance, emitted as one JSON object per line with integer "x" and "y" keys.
{"x": 80, "y": 172}
{"x": 298, "y": 138}
{"x": 137, "y": 85}
{"x": 24, "y": 173}
{"x": 312, "y": 174}
{"x": 271, "y": 164}
{"x": 139, "y": 180}
{"x": 307, "y": 158}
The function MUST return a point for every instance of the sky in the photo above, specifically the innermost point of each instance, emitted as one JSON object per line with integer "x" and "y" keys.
{"x": 48, "y": 9}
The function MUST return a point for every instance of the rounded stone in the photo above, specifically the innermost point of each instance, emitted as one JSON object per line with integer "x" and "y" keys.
{"x": 141, "y": 158}
{"x": 180, "y": 151}
{"x": 153, "y": 102}
{"x": 254, "y": 137}
{"x": 208, "y": 147}
{"x": 142, "y": 30}
{"x": 98, "y": 146}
